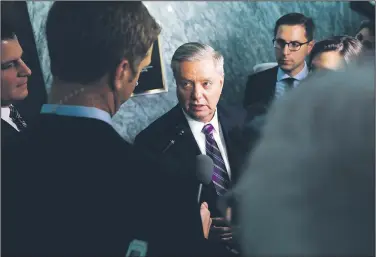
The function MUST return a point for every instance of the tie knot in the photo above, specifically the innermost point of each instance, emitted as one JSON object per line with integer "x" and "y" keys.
{"x": 208, "y": 129}
{"x": 13, "y": 111}
{"x": 289, "y": 81}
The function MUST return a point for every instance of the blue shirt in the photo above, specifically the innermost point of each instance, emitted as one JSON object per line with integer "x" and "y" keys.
{"x": 77, "y": 111}
{"x": 281, "y": 85}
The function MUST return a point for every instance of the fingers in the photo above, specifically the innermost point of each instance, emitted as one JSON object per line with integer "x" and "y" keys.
{"x": 226, "y": 235}
{"x": 220, "y": 229}
{"x": 205, "y": 218}
{"x": 228, "y": 214}
{"x": 204, "y": 205}
{"x": 220, "y": 222}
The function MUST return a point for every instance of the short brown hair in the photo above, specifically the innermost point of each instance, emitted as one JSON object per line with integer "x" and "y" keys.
{"x": 297, "y": 19}
{"x": 86, "y": 40}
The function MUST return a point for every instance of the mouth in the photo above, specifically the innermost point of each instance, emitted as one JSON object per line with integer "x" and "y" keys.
{"x": 285, "y": 61}
{"x": 197, "y": 107}
{"x": 23, "y": 84}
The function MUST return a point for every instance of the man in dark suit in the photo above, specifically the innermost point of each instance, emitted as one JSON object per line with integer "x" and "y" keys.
{"x": 74, "y": 187}
{"x": 198, "y": 126}
{"x": 14, "y": 76}
{"x": 293, "y": 41}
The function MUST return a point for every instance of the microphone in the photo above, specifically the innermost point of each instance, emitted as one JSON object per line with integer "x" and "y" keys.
{"x": 172, "y": 141}
{"x": 204, "y": 172}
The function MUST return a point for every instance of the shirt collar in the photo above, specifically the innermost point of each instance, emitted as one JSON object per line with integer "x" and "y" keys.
{"x": 77, "y": 111}
{"x": 5, "y": 112}
{"x": 300, "y": 76}
{"x": 196, "y": 126}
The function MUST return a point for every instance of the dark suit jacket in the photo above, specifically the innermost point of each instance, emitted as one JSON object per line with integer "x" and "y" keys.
{"x": 260, "y": 88}
{"x": 76, "y": 188}
{"x": 156, "y": 137}
{"x": 8, "y": 133}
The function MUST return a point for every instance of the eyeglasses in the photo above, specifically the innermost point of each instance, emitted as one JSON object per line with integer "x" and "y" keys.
{"x": 293, "y": 45}
{"x": 136, "y": 83}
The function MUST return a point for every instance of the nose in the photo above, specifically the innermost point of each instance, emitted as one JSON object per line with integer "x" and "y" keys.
{"x": 197, "y": 92}
{"x": 24, "y": 70}
{"x": 286, "y": 49}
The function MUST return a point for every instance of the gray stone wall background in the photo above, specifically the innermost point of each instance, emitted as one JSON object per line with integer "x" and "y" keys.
{"x": 241, "y": 31}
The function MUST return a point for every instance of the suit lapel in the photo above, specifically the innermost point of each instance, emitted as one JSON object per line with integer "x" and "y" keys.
{"x": 185, "y": 146}
{"x": 188, "y": 140}
{"x": 270, "y": 80}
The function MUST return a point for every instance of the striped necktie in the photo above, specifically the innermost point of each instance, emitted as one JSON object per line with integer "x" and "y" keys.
{"x": 16, "y": 118}
{"x": 220, "y": 176}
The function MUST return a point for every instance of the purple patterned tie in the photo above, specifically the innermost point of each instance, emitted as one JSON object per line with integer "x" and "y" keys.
{"x": 220, "y": 177}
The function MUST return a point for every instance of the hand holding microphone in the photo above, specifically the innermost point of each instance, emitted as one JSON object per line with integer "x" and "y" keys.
{"x": 206, "y": 220}
{"x": 204, "y": 172}
{"x": 215, "y": 229}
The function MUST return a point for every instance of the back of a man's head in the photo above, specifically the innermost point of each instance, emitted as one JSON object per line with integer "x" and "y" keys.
{"x": 349, "y": 48}
{"x": 308, "y": 189}
{"x": 87, "y": 40}
{"x": 8, "y": 30}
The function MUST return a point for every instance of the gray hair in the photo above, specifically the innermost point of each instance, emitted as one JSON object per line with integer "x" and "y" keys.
{"x": 195, "y": 51}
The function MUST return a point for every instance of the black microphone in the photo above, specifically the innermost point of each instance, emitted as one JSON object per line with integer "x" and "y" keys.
{"x": 204, "y": 172}
{"x": 180, "y": 133}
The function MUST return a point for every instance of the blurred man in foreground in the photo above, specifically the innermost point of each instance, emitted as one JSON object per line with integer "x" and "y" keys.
{"x": 308, "y": 188}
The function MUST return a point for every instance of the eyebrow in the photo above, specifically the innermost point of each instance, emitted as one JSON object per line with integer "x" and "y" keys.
{"x": 288, "y": 41}
{"x": 13, "y": 60}
{"x": 201, "y": 79}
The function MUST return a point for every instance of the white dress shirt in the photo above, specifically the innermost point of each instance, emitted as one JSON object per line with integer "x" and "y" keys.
{"x": 196, "y": 128}
{"x": 5, "y": 112}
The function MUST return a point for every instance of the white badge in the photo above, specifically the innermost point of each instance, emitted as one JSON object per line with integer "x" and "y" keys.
{"x": 137, "y": 248}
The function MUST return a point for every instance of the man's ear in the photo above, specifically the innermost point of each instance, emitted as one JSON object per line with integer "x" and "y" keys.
{"x": 123, "y": 71}
{"x": 222, "y": 80}
{"x": 310, "y": 46}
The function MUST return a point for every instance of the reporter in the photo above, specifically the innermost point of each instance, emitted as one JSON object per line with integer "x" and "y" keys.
{"x": 80, "y": 189}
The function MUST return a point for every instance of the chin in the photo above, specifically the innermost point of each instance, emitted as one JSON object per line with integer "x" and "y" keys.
{"x": 286, "y": 67}
{"x": 21, "y": 96}
{"x": 196, "y": 116}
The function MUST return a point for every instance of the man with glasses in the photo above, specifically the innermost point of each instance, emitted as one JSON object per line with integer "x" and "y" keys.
{"x": 366, "y": 34}
{"x": 293, "y": 41}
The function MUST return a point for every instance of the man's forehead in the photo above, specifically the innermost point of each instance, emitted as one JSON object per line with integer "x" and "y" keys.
{"x": 10, "y": 50}
{"x": 291, "y": 31}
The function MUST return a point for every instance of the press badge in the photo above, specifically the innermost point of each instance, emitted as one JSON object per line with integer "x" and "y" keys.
{"x": 137, "y": 248}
